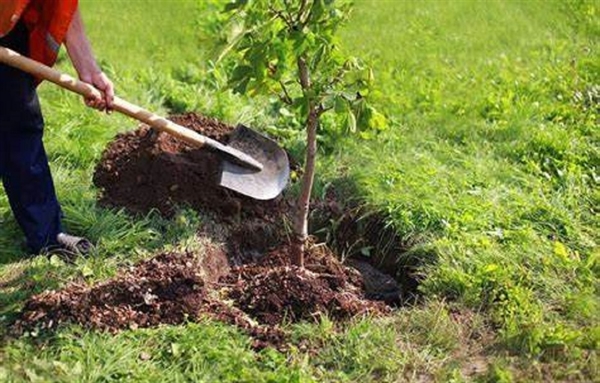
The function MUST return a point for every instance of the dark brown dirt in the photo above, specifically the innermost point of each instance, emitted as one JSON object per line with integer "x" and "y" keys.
{"x": 248, "y": 282}
{"x": 144, "y": 169}
{"x": 174, "y": 288}
{"x": 165, "y": 289}
{"x": 273, "y": 291}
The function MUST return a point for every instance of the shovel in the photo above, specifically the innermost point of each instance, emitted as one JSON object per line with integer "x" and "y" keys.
{"x": 253, "y": 165}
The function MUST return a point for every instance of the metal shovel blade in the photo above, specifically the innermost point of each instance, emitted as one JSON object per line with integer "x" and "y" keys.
{"x": 263, "y": 184}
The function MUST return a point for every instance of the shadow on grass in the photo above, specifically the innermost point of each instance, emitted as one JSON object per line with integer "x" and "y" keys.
{"x": 12, "y": 242}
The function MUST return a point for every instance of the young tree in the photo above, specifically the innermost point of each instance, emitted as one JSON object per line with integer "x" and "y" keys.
{"x": 288, "y": 48}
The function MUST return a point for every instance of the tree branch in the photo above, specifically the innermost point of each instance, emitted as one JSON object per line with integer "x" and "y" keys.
{"x": 279, "y": 13}
{"x": 339, "y": 76}
{"x": 321, "y": 109}
{"x": 308, "y": 14}
{"x": 301, "y": 12}
{"x": 286, "y": 96}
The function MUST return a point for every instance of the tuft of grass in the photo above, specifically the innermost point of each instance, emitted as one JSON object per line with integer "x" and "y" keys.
{"x": 203, "y": 352}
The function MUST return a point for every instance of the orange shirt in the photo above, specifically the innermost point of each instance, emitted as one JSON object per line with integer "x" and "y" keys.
{"x": 47, "y": 22}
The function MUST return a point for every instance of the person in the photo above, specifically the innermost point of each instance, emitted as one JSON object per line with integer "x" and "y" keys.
{"x": 37, "y": 29}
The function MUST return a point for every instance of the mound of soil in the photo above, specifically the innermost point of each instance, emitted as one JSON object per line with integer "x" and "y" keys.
{"x": 145, "y": 169}
{"x": 273, "y": 291}
{"x": 248, "y": 282}
{"x": 165, "y": 289}
{"x": 174, "y": 288}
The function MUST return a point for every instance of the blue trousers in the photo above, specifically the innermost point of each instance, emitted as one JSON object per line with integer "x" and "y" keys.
{"x": 24, "y": 166}
{"x": 28, "y": 184}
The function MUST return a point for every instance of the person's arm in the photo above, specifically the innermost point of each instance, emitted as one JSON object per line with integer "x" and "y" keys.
{"x": 82, "y": 57}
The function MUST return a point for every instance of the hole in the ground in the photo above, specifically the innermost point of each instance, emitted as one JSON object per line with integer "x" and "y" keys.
{"x": 363, "y": 238}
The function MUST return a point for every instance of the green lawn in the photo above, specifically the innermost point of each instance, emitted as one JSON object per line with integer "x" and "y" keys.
{"x": 488, "y": 170}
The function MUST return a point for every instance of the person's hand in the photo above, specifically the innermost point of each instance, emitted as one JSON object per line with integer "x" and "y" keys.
{"x": 101, "y": 82}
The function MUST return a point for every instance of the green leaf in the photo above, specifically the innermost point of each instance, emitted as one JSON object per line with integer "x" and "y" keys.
{"x": 240, "y": 73}
{"x": 349, "y": 95}
{"x": 298, "y": 39}
{"x": 61, "y": 367}
{"x": 319, "y": 54}
{"x": 351, "y": 121}
{"x": 317, "y": 11}
{"x": 32, "y": 376}
{"x": 56, "y": 261}
{"x": 235, "y": 5}
{"x": 378, "y": 121}
{"x": 329, "y": 101}
{"x": 285, "y": 112}
{"x": 241, "y": 86}
{"x": 258, "y": 55}
{"x": 341, "y": 105}
{"x": 490, "y": 268}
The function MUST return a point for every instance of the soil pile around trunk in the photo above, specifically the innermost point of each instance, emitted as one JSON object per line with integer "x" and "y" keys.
{"x": 145, "y": 169}
{"x": 174, "y": 288}
{"x": 273, "y": 291}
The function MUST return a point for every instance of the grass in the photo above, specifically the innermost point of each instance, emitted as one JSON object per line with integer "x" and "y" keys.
{"x": 490, "y": 162}
{"x": 492, "y": 158}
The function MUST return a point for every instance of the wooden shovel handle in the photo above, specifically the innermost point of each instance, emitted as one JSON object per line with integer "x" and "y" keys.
{"x": 41, "y": 71}
{"x": 44, "y": 72}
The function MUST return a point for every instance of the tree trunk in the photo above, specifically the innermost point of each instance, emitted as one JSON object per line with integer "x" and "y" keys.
{"x": 300, "y": 224}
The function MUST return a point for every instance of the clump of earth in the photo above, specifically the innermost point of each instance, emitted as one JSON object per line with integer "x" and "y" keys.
{"x": 144, "y": 169}
{"x": 247, "y": 282}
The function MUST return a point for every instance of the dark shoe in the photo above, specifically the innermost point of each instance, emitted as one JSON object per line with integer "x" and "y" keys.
{"x": 76, "y": 245}
{"x": 60, "y": 251}
{"x": 68, "y": 247}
